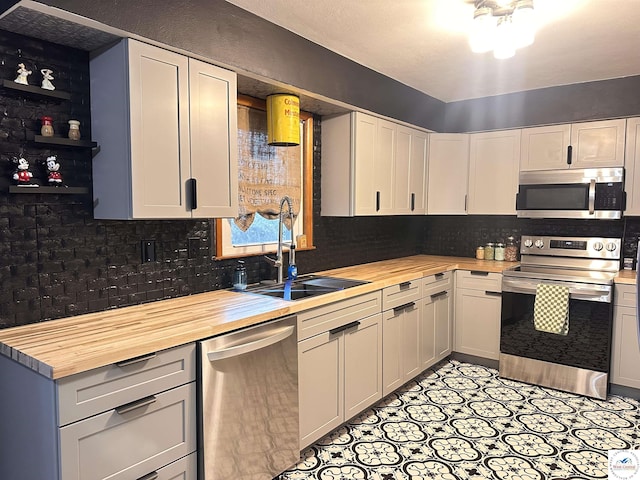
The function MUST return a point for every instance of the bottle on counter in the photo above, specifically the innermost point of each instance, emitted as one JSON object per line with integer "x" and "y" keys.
{"x": 480, "y": 253}
{"x": 511, "y": 250}
{"x": 498, "y": 253}
{"x": 240, "y": 276}
{"x": 489, "y": 251}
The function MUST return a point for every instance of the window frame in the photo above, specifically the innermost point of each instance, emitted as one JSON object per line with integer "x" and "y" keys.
{"x": 307, "y": 184}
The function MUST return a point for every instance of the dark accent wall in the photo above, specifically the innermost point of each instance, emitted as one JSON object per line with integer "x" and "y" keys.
{"x": 565, "y": 104}
{"x": 236, "y": 38}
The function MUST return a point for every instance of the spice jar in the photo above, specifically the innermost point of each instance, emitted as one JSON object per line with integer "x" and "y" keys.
{"x": 74, "y": 129}
{"x": 480, "y": 253}
{"x": 47, "y": 127}
{"x": 498, "y": 253}
{"x": 511, "y": 250}
{"x": 488, "y": 251}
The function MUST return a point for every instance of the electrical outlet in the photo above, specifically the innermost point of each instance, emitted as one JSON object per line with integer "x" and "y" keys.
{"x": 194, "y": 247}
{"x": 148, "y": 251}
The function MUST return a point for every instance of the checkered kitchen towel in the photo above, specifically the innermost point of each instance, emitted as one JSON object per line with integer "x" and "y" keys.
{"x": 551, "y": 309}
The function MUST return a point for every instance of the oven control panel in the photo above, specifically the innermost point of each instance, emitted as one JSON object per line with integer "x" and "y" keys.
{"x": 584, "y": 247}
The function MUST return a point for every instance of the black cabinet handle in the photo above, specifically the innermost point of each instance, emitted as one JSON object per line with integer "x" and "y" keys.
{"x": 404, "y": 307}
{"x": 479, "y": 273}
{"x": 404, "y": 285}
{"x": 143, "y": 402}
{"x": 192, "y": 193}
{"x": 149, "y": 476}
{"x": 131, "y": 361}
{"x": 493, "y": 294}
{"x": 439, "y": 294}
{"x": 413, "y": 202}
{"x": 377, "y": 201}
{"x": 439, "y": 276}
{"x": 333, "y": 331}
{"x": 569, "y": 154}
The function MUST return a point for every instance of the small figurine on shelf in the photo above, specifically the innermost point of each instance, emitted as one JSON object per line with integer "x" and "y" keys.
{"x": 46, "y": 79}
{"x": 54, "y": 177}
{"x": 22, "y": 175}
{"x": 23, "y": 73}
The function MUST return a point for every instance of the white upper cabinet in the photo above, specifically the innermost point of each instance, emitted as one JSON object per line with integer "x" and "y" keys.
{"x": 448, "y": 173}
{"x": 371, "y": 166}
{"x": 578, "y": 145}
{"x": 167, "y": 130}
{"x": 493, "y": 172}
{"x": 632, "y": 167}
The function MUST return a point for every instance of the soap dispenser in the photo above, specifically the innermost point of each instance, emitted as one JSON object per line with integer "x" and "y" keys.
{"x": 240, "y": 276}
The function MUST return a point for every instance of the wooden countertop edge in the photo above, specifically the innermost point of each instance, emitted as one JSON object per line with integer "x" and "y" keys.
{"x": 63, "y": 347}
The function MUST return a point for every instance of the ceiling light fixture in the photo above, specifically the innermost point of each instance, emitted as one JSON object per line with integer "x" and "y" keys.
{"x": 502, "y": 26}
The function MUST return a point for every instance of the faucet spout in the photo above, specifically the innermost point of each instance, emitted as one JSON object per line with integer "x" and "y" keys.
{"x": 278, "y": 261}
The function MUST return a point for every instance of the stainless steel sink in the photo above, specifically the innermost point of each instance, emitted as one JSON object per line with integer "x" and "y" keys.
{"x": 304, "y": 287}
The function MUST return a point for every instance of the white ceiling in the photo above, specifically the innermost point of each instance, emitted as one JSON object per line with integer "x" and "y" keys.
{"x": 423, "y": 43}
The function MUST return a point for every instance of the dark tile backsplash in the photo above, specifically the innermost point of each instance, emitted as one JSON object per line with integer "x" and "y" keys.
{"x": 58, "y": 261}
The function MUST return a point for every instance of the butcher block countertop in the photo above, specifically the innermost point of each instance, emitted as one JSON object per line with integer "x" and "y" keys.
{"x": 626, "y": 277}
{"x": 63, "y": 347}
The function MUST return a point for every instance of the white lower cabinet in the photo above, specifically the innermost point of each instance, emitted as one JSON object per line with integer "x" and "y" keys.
{"x": 400, "y": 346}
{"x": 437, "y": 318}
{"x": 478, "y": 306}
{"x": 625, "y": 349}
{"x": 340, "y": 368}
{"x": 130, "y": 420}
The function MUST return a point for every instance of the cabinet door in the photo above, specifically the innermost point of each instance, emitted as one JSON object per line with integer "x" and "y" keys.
{"x": 362, "y": 365}
{"x": 320, "y": 385}
{"x": 598, "y": 144}
{"x": 632, "y": 167}
{"x": 159, "y": 123}
{"x": 365, "y": 133}
{"x": 428, "y": 331}
{"x": 493, "y": 172}
{"x": 545, "y": 148}
{"x": 384, "y": 166}
{"x": 625, "y": 351}
{"x": 477, "y": 323}
{"x": 214, "y": 152}
{"x": 448, "y": 173}
{"x": 400, "y": 347}
{"x": 409, "y": 172}
{"x": 443, "y": 325}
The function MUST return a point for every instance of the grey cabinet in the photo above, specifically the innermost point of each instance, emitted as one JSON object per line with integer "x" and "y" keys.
{"x": 122, "y": 421}
{"x": 625, "y": 348}
{"x": 436, "y": 334}
{"x": 339, "y": 363}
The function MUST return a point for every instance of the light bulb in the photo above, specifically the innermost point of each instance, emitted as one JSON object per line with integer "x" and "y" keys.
{"x": 504, "y": 46}
{"x": 523, "y": 23}
{"x": 483, "y": 31}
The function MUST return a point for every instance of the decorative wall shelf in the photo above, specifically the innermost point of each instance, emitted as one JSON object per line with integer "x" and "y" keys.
{"x": 58, "y": 190}
{"x": 64, "y": 142}
{"x": 11, "y": 85}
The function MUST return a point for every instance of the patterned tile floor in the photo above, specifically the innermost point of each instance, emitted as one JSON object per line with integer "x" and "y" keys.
{"x": 463, "y": 422}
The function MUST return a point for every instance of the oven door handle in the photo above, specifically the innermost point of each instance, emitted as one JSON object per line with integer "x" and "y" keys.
{"x": 592, "y": 196}
{"x": 577, "y": 291}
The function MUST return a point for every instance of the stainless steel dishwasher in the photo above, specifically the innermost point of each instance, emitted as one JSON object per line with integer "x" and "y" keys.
{"x": 249, "y": 426}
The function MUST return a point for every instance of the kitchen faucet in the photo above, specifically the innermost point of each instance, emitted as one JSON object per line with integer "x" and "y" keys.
{"x": 278, "y": 261}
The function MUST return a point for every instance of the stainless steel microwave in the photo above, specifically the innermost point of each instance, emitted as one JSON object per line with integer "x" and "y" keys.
{"x": 574, "y": 193}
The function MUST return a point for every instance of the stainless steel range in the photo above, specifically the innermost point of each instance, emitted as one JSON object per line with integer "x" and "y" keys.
{"x": 575, "y": 359}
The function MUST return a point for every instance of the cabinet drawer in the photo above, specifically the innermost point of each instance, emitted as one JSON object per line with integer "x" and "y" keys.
{"x": 625, "y": 295}
{"x": 436, "y": 283}
{"x": 101, "y": 389}
{"x": 130, "y": 444}
{"x": 474, "y": 280}
{"x": 184, "y": 469}
{"x": 401, "y": 294}
{"x": 327, "y": 317}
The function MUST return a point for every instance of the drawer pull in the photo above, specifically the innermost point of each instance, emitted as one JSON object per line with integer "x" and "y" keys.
{"x": 493, "y": 294}
{"x": 404, "y": 285}
{"x": 439, "y": 276}
{"x": 131, "y": 361}
{"x": 333, "y": 331}
{"x": 439, "y": 294}
{"x": 143, "y": 402}
{"x": 149, "y": 476}
{"x": 404, "y": 307}
{"x": 479, "y": 273}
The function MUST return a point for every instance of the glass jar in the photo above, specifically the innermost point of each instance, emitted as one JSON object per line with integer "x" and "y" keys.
{"x": 488, "y": 251}
{"x": 74, "y": 129}
{"x": 47, "y": 127}
{"x": 511, "y": 250}
{"x": 498, "y": 253}
{"x": 480, "y": 253}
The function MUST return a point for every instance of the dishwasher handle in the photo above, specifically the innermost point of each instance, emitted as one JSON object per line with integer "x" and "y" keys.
{"x": 274, "y": 336}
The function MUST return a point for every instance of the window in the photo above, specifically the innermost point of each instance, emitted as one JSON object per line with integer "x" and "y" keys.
{"x": 265, "y": 174}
